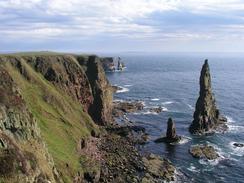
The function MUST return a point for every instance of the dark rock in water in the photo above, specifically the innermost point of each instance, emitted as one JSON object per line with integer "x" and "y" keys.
{"x": 170, "y": 134}
{"x": 238, "y": 144}
{"x": 206, "y": 115}
{"x": 203, "y": 151}
{"x": 157, "y": 109}
{"x": 120, "y": 108}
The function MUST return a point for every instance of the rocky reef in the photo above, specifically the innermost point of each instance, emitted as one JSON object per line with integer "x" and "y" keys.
{"x": 206, "y": 116}
{"x": 171, "y": 136}
{"x": 203, "y": 151}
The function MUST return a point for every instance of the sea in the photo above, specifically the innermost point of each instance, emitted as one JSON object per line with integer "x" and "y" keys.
{"x": 172, "y": 82}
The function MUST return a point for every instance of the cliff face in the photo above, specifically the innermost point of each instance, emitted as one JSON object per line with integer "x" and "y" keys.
{"x": 101, "y": 107}
{"x": 44, "y": 106}
{"x": 206, "y": 115}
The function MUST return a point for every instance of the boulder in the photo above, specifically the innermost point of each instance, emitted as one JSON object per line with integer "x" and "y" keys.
{"x": 171, "y": 136}
{"x": 206, "y": 115}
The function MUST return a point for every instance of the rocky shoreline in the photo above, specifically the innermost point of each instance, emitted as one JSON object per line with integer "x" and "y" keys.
{"x": 127, "y": 164}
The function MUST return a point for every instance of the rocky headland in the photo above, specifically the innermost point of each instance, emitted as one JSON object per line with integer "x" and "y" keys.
{"x": 206, "y": 116}
{"x": 56, "y": 124}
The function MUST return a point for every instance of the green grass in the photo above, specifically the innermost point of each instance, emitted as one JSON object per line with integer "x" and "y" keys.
{"x": 62, "y": 120}
{"x": 41, "y": 53}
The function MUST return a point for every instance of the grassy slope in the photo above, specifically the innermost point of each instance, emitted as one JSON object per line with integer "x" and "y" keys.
{"x": 61, "y": 120}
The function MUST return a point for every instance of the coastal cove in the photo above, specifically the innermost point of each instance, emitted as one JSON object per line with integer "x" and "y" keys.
{"x": 172, "y": 82}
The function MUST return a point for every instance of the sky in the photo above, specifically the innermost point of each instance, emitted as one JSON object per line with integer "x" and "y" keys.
{"x": 122, "y": 25}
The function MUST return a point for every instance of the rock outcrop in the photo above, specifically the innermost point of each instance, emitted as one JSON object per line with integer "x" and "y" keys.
{"x": 206, "y": 115}
{"x": 171, "y": 135}
{"x": 101, "y": 108}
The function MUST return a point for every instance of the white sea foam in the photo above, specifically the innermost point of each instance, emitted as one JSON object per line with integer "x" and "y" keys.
{"x": 128, "y": 85}
{"x": 155, "y": 99}
{"x": 238, "y": 151}
{"x": 210, "y": 162}
{"x": 236, "y": 128}
{"x": 122, "y": 90}
{"x": 230, "y": 119}
{"x": 149, "y": 112}
{"x": 215, "y": 161}
{"x": 193, "y": 168}
{"x": 118, "y": 100}
{"x": 185, "y": 140}
{"x": 167, "y": 102}
{"x": 190, "y": 106}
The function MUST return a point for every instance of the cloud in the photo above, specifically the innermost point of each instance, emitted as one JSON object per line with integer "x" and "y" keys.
{"x": 142, "y": 20}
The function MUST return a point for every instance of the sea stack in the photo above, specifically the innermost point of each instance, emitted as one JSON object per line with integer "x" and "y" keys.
{"x": 170, "y": 134}
{"x": 206, "y": 115}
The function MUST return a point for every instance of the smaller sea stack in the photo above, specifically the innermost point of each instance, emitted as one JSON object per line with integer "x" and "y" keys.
{"x": 206, "y": 115}
{"x": 170, "y": 134}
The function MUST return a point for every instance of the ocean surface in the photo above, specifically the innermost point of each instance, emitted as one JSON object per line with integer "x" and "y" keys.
{"x": 172, "y": 81}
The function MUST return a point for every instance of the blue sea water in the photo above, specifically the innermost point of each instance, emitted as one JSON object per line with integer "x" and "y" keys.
{"x": 172, "y": 81}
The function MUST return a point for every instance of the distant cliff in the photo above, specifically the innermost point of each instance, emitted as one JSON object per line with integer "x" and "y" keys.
{"x": 48, "y": 103}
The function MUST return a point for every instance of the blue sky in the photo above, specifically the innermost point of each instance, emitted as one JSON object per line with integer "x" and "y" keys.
{"x": 122, "y": 25}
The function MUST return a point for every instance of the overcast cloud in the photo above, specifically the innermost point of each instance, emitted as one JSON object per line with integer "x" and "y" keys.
{"x": 122, "y": 25}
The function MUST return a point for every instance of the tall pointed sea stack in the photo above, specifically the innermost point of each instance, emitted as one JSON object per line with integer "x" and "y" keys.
{"x": 206, "y": 115}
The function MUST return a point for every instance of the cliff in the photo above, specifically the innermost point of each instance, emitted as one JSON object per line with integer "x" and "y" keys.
{"x": 206, "y": 115}
{"x": 49, "y": 103}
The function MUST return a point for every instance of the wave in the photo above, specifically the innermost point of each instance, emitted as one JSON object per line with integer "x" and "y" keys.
{"x": 185, "y": 140}
{"x": 128, "y": 85}
{"x": 193, "y": 169}
{"x": 148, "y": 112}
{"x": 155, "y": 99}
{"x": 167, "y": 102}
{"x": 190, "y": 106}
{"x": 122, "y": 90}
{"x": 118, "y": 100}
{"x": 235, "y": 128}
{"x": 230, "y": 119}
